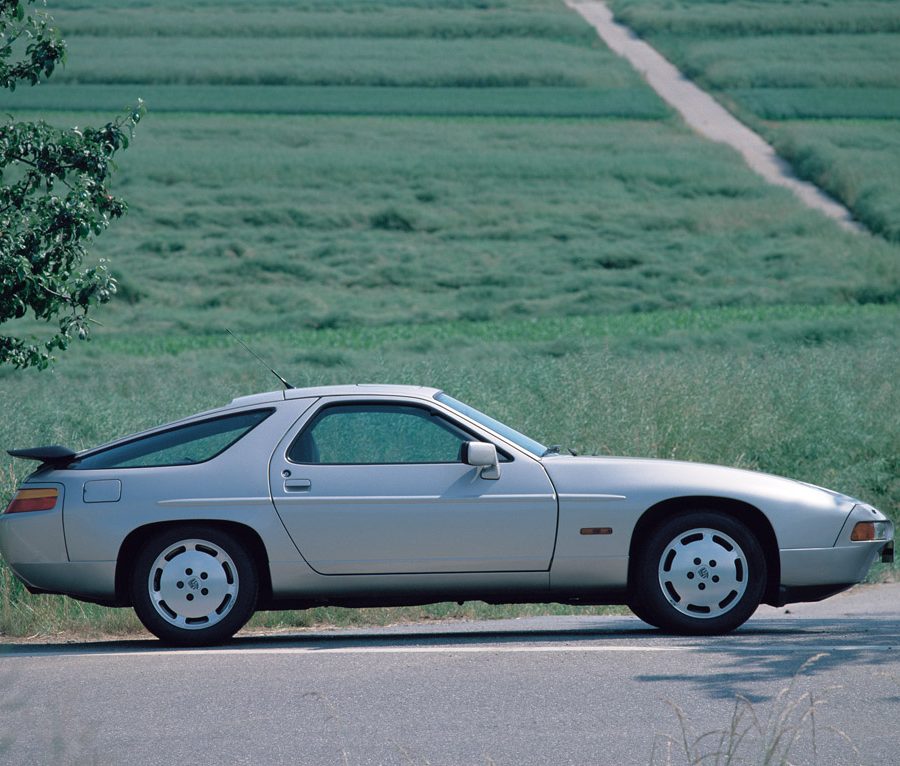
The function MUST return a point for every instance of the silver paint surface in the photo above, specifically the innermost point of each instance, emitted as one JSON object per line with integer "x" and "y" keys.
{"x": 429, "y": 531}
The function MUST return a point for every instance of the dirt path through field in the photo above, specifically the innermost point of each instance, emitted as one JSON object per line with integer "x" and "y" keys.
{"x": 704, "y": 114}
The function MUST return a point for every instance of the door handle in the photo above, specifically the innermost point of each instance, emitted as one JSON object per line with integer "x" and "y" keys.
{"x": 297, "y": 485}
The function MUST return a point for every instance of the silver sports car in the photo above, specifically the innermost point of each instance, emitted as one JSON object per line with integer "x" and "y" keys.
{"x": 388, "y": 495}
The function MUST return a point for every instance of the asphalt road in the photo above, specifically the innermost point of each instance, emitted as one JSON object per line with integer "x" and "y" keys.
{"x": 557, "y": 690}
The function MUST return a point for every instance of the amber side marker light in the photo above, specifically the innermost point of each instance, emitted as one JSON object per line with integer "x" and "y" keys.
{"x": 867, "y": 531}
{"x": 33, "y": 500}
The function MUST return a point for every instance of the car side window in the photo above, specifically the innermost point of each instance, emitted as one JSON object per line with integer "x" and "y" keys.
{"x": 184, "y": 445}
{"x": 371, "y": 434}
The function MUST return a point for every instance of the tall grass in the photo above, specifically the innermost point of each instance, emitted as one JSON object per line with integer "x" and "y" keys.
{"x": 437, "y": 45}
{"x": 370, "y": 20}
{"x": 820, "y": 103}
{"x": 795, "y": 61}
{"x": 519, "y": 62}
{"x": 351, "y": 6}
{"x": 788, "y": 728}
{"x": 713, "y": 19}
{"x": 858, "y": 162}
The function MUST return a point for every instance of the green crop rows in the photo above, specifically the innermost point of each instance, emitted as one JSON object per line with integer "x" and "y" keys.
{"x": 820, "y": 80}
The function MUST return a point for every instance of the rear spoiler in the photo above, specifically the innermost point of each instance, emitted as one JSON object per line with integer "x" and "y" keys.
{"x": 53, "y": 455}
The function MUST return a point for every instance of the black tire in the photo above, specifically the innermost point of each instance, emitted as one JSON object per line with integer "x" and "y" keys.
{"x": 194, "y": 585}
{"x": 637, "y": 606}
{"x": 698, "y": 573}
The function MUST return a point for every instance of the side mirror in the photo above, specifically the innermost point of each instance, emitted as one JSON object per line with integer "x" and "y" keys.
{"x": 484, "y": 456}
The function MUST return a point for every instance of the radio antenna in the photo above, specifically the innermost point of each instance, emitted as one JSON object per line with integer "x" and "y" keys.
{"x": 258, "y": 359}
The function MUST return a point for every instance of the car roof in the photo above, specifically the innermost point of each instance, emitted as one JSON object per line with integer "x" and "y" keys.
{"x": 315, "y": 392}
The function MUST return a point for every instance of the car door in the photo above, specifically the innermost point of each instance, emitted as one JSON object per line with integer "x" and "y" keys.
{"x": 378, "y": 487}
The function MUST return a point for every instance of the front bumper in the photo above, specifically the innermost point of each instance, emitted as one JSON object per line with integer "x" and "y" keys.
{"x": 810, "y": 574}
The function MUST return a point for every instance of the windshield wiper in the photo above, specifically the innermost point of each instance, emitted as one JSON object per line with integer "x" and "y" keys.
{"x": 555, "y": 449}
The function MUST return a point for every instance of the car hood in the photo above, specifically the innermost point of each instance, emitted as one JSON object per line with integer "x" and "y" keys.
{"x": 648, "y": 481}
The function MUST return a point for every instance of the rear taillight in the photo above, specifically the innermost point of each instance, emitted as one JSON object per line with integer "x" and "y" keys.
{"x": 33, "y": 500}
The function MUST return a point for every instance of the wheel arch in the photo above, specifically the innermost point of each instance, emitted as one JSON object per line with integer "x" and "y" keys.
{"x": 244, "y": 534}
{"x": 739, "y": 510}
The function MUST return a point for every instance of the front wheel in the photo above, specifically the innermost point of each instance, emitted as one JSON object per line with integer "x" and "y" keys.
{"x": 194, "y": 585}
{"x": 699, "y": 573}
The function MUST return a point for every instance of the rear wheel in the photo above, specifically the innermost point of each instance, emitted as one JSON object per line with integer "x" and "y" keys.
{"x": 701, "y": 572}
{"x": 194, "y": 585}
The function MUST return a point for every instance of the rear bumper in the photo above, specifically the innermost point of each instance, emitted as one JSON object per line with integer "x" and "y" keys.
{"x": 35, "y": 536}
{"x": 86, "y": 580}
{"x": 34, "y": 547}
{"x": 31, "y": 541}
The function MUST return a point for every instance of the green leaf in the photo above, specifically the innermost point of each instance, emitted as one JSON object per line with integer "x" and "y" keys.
{"x": 44, "y": 236}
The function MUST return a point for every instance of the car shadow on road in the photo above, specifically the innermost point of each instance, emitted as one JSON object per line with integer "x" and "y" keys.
{"x": 763, "y": 649}
{"x": 348, "y": 638}
{"x": 751, "y": 658}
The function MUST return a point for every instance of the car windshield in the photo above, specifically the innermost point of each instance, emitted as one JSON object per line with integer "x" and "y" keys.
{"x": 520, "y": 440}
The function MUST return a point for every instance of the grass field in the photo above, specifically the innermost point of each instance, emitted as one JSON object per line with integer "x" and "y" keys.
{"x": 820, "y": 80}
{"x": 473, "y": 195}
{"x": 260, "y": 223}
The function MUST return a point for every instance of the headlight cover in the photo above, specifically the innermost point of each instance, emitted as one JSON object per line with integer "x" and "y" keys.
{"x": 871, "y": 531}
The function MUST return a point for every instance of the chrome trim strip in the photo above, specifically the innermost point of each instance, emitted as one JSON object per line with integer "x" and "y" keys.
{"x": 588, "y": 498}
{"x": 407, "y": 499}
{"x": 203, "y": 502}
